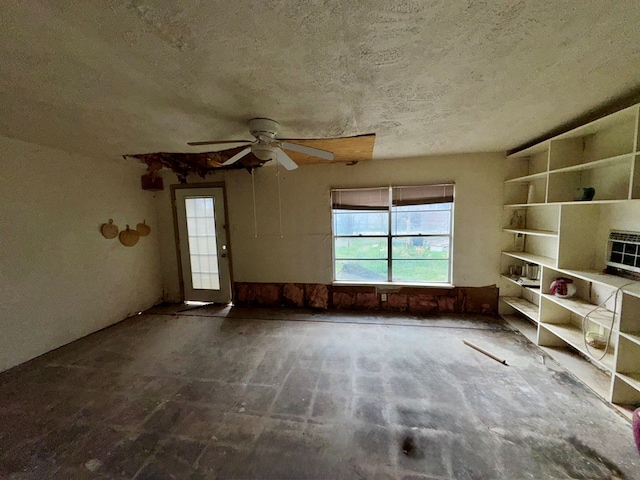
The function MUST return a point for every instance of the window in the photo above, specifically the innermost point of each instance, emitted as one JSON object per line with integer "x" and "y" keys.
{"x": 393, "y": 234}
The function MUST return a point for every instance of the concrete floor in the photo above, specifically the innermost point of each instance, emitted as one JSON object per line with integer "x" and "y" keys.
{"x": 264, "y": 393}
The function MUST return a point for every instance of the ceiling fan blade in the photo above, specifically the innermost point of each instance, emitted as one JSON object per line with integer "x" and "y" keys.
{"x": 238, "y": 156}
{"x": 316, "y": 152}
{"x": 285, "y": 160}
{"x": 219, "y": 142}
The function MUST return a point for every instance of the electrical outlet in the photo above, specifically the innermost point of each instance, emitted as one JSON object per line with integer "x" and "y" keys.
{"x": 383, "y": 297}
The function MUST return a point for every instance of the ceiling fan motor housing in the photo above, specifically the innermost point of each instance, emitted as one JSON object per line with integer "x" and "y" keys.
{"x": 265, "y": 131}
{"x": 263, "y": 127}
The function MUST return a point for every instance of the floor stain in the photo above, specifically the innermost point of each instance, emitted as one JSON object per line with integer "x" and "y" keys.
{"x": 409, "y": 447}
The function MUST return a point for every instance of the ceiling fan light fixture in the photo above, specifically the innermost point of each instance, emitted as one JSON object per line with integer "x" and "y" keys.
{"x": 264, "y": 152}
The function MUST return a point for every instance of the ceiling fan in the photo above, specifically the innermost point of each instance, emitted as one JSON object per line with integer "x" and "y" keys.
{"x": 266, "y": 146}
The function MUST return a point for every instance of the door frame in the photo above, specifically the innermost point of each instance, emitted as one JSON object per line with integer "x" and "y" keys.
{"x": 176, "y": 236}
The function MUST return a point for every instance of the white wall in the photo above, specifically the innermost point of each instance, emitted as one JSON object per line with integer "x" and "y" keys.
{"x": 60, "y": 279}
{"x": 303, "y": 254}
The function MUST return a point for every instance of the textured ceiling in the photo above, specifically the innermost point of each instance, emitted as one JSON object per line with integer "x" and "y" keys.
{"x": 448, "y": 76}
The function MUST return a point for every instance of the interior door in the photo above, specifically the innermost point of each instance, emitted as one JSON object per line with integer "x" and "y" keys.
{"x": 202, "y": 244}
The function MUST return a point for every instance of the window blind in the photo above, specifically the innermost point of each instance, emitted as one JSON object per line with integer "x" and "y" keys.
{"x": 360, "y": 199}
{"x": 422, "y": 195}
{"x": 378, "y": 198}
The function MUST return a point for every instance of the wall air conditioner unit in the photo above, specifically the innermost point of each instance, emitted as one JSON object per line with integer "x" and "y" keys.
{"x": 623, "y": 254}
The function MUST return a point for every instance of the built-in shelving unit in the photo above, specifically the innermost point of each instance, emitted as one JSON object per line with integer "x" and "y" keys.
{"x": 547, "y": 224}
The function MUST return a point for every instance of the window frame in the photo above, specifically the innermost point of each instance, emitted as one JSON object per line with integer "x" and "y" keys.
{"x": 390, "y": 236}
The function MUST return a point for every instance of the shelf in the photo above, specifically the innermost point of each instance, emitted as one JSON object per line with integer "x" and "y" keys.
{"x": 510, "y": 279}
{"x": 534, "y": 290}
{"x": 528, "y": 329}
{"x": 626, "y": 115}
{"x": 522, "y": 205}
{"x": 594, "y": 164}
{"x": 632, "y": 379}
{"x": 592, "y": 376}
{"x": 606, "y": 279}
{"x": 523, "y": 306}
{"x": 527, "y": 178}
{"x": 575, "y": 202}
{"x": 590, "y": 202}
{"x": 527, "y": 152}
{"x": 601, "y": 316}
{"x": 539, "y": 233}
{"x": 573, "y": 336}
{"x": 533, "y": 258}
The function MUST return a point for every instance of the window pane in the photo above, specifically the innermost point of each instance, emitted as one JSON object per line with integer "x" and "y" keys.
{"x": 191, "y": 223}
{"x": 193, "y": 246}
{"x": 420, "y": 271}
{"x": 195, "y": 263}
{"x": 361, "y": 247}
{"x": 190, "y": 208}
{"x": 349, "y": 222}
{"x": 423, "y": 208}
{"x": 203, "y": 244}
{"x": 201, "y": 206}
{"x": 415, "y": 222}
{"x": 210, "y": 229}
{"x": 201, "y": 225}
{"x": 212, "y": 263}
{"x": 206, "y": 282}
{"x": 361, "y": 270}
{"x": 420, "y": 247}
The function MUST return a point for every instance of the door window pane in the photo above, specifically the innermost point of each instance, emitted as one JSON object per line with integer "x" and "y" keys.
{"x": 201, "y": 223}
{"x": 201, "y": 228}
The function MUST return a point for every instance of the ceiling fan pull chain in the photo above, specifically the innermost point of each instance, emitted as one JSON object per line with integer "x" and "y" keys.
{"x": 279, "y": 197}
{"x": 255, "y": 215}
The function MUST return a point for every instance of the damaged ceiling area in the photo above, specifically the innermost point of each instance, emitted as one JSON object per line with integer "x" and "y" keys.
{"x": 134, "y": 76}
{"x": 349, "y": 150}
